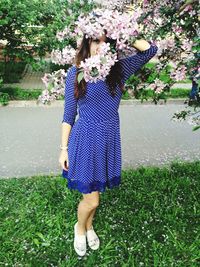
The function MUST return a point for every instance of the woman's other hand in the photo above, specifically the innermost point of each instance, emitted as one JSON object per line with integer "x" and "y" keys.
{"x": 64, "y": 160}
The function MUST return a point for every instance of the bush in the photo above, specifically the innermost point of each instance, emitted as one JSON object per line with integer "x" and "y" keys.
{"x": 16, "y": 93}
{"x": 11, "y": 72}
{"x": 4, "y": 98}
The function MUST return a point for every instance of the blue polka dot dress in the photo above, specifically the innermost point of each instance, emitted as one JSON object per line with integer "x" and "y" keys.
{"x": 94, "y": 144}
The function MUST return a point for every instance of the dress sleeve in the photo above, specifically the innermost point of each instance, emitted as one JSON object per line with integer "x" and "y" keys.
{"x": 133, "y": 63}
{"x": 70, "y": 103}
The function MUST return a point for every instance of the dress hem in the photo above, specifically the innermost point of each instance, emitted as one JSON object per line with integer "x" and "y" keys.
{"x": 93, "y": 186}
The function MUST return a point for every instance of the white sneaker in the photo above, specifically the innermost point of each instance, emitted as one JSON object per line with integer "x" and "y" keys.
{"x": 80, "y": 245}
{"x": 92, "y": 238}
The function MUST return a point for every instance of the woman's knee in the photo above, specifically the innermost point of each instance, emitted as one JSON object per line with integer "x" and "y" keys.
{"x": 92, "y": 199}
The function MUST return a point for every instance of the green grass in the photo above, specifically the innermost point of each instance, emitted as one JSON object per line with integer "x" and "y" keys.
{"x": 174, "y": 93}
{"x": 151, "y": 219}
{"x": 16, "y": 93}
{"x": 179, "y": 93}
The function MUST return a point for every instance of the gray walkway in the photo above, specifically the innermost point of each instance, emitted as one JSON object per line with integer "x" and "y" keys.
{"x": 31, "y": 79}
{"x": 30, "y": 138}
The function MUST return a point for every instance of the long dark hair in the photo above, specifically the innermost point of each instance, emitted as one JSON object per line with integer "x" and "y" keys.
{"x": 114, "y": 77}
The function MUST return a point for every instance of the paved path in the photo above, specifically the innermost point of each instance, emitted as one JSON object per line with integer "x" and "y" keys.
{"x": 31, "y": 79}
{"x": 30, "y": 138}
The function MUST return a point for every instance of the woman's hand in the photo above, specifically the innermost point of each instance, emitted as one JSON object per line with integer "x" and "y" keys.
{"x": 63, "y": 160}
{"x": 141, "y": 45}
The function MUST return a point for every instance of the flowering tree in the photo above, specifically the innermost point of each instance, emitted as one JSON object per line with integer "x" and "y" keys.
{"x": 173, "y": 26}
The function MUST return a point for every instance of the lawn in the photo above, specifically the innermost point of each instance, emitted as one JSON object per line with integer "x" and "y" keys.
{"x": 151, "y": 219}
{"x": 16, "y": 93}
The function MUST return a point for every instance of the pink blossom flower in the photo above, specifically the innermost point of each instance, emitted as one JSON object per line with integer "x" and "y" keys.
{"x": 119, "y": 26}
{"x": 66, "y": 56}
{"x": 187, "y": 45}
{"x": 55, "y": 86}
{"x": 179, "y": 74}
{"x": 157, "y": 86}
{"x": 97, "y": 67}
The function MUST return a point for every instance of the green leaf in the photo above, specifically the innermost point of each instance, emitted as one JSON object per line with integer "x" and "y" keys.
{"x": 40, "y": 235}
{"x": 36, "y": 241}
{"x": 103, "y": 60}
{"x": 46, "y": 244}
{"x": 94, "y": 72}
{"x": 196, "y": 128}
{"x": 80, "y": 76}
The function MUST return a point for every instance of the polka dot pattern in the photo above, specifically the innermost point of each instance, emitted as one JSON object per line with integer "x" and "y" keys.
{"x": 94, "y": 144}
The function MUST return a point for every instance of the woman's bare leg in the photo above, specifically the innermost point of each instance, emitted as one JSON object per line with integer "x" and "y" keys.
{"x": 90, "y": 219}
{"x": 86, "y": 210}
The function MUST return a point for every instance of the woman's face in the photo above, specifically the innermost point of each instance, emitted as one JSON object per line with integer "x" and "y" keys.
{"x": 95, "y": 45}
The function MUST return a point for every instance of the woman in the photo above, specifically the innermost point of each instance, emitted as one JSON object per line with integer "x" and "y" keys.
{"x": 92, "y": 160}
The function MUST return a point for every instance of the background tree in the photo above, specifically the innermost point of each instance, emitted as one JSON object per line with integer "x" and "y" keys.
{"x": 34, "y": 23}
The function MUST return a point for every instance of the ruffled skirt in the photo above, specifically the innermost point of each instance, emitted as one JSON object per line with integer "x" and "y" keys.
{"x": 94, "y": 153}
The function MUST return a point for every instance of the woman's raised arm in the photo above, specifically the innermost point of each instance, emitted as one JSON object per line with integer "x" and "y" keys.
{"x": 133, "y": 63}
